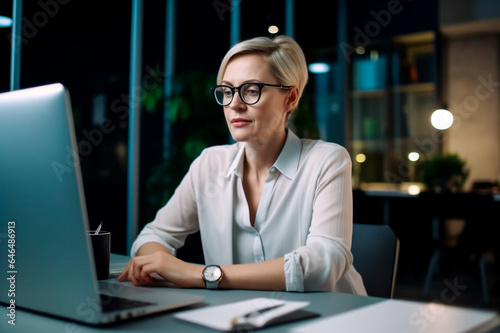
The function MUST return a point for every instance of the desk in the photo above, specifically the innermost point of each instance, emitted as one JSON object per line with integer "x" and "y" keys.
{"x": 426, "y": 205}
{"x": 420, "y": 220}
{"x": 387, "y": 195}
{"x": 324, "y": 303}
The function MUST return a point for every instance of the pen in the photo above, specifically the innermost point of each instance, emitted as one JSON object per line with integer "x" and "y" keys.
{"x": 253, "y": 314}
{"x": 98, "y": 229}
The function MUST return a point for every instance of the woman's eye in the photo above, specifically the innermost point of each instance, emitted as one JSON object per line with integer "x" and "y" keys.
{"x": 252, "y": 90}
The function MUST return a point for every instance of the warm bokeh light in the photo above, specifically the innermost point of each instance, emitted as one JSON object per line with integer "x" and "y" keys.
{"x": 441, "y": 119}
{"x": 413, "y": 156}
{"x": 414, "y": 189}
{"x": 360, "y": 158}
{"x": 360, "y": 50}
{"x": 273, "y": 29}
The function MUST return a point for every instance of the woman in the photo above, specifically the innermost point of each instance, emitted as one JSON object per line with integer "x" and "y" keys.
{"x": 274, "y": 211}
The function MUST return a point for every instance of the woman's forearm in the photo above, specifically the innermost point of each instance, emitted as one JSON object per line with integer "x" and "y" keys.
{"x": 266, "y": 275}
{"x": 150, "y": 248}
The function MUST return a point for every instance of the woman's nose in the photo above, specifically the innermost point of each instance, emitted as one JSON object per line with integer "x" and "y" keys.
{"x": 237, "y": 102}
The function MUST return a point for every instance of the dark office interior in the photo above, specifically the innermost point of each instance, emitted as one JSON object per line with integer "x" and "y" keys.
{"x": 390, "y": 65}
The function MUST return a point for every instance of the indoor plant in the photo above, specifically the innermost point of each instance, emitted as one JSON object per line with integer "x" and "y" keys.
{"x": 444, "y": 173}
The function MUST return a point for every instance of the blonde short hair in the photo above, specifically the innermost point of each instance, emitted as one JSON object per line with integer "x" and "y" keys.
{"x": 285, "y": 57}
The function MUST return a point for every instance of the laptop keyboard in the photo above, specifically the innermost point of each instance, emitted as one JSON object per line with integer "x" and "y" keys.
{"x": 114, "y": 303}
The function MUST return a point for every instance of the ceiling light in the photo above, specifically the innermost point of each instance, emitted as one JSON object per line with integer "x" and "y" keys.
{"x": 442, "y": 119}
{"x": 414, "y": 189}
{"x": 360, "y": 50}
{"x": 5, "y": 22}
{"x": 360, "y": 158}
{"x": 413, "y": 156}
{"x": 273, "y": 29}
{"x": 319, "y": 67}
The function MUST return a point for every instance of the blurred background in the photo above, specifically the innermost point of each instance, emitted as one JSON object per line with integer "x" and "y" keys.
{"x": 379, "y": 69}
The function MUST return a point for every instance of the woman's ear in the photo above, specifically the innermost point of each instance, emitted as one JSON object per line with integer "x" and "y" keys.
{"x": 292, "y": 99}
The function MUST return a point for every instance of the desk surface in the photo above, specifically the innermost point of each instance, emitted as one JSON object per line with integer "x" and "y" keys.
{"x": 324, "y": 303}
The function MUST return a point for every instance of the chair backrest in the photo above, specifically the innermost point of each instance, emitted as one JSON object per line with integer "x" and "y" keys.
{"x": 375, "y": 249}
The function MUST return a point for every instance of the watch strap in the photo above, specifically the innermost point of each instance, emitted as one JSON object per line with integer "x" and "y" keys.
{"x": 212, "y": 285}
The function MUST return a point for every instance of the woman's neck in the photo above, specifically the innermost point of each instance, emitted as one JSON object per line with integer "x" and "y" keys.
{"x": 261, "y": 155}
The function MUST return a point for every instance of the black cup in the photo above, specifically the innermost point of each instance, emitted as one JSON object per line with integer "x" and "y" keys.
{"x": 101, "y": 248}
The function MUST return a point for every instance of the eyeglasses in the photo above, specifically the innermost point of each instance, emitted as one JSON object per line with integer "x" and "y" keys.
{"x": 249, "y": 92}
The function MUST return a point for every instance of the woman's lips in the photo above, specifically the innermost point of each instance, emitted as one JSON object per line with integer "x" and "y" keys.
{"x": 239, "y": 122}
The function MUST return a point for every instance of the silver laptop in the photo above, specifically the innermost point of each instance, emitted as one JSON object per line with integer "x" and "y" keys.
{"x": 43, "y": 219}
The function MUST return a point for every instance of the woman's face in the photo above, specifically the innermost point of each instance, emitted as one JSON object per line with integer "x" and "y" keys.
{"x": 262, "y": 122}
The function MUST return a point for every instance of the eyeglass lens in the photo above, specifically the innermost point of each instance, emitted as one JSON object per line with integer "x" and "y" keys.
{"x": 249, "y": 93}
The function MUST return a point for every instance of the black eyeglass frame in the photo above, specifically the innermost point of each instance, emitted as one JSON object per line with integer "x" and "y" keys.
{"x": 258, "y": 84}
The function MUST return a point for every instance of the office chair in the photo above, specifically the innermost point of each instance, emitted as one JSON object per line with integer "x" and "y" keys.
{"x": 479, "y": 234}
{"x": 375, "y": 249}
{"x": 434, "y": 263}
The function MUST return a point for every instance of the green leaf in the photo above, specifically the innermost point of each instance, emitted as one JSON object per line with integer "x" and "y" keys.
{"x": 177, "y": 109}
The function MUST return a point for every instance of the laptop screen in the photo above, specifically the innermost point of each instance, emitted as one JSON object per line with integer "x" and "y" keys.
{"x": 43, "y": 217}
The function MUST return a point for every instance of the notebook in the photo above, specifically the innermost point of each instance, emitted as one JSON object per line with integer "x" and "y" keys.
{"x": 43, "y": 219}
{"x": 247, "y": 316}
{"x": 396, "y": 316}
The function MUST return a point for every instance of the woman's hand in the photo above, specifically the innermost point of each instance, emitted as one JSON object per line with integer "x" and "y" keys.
{"x": 140, "y": 268}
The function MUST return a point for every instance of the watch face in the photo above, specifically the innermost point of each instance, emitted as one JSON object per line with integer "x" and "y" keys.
{"x": 212, "y": 273}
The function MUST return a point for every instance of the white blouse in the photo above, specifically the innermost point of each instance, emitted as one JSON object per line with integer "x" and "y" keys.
{"x": 304, "y": 214}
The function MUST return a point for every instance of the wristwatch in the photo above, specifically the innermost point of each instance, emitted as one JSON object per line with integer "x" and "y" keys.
{"x": 212, "y": 274}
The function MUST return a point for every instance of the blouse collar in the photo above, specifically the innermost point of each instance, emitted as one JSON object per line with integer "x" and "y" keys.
{"x": 287, "y": 162}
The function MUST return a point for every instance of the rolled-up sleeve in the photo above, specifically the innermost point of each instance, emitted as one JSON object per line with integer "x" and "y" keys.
{"x": 325, "y": 262}
{"x": 317, "y": 266}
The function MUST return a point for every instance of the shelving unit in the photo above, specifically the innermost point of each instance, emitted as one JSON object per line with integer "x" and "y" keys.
{"x": 392, "y": 96}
